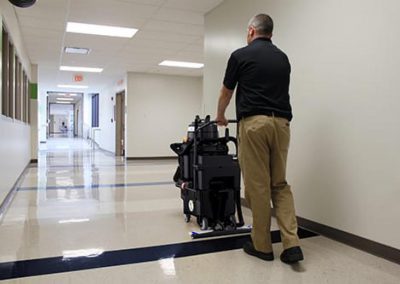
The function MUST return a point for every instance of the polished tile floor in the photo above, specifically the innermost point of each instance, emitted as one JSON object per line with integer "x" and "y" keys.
{"x": 79, "y": 203}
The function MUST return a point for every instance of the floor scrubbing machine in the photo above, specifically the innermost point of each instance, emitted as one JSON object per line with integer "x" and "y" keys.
{"x": 209, "y": 180}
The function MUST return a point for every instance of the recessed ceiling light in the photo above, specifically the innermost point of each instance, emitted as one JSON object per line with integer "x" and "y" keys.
{"x": 81, "y": 69}
{"x": 65, "y": 99}
{"x": 76, "y": 50}
{"x": 100, "y": 30}
{"x": 73, "y": 86}
{"x": 181, "y": 64}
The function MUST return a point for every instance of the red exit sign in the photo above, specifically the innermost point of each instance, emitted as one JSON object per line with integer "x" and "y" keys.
{"x": 78, "y": 78}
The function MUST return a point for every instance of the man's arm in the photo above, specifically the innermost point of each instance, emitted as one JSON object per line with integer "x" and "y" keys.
{"x": 223, "y": 102}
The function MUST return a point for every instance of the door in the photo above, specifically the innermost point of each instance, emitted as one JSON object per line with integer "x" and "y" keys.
{"x": 76, "y": 121}
{"x": 120, "y": 124}
{"x": 47, "y": 117}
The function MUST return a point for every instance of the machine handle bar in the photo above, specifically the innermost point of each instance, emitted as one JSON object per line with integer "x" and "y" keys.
{"x": 213, "y": 122}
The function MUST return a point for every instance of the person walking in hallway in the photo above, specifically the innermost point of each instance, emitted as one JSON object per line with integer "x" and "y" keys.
{"x": 261, "y": 73}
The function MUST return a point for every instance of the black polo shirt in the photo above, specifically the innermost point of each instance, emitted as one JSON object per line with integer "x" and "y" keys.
{"x": 262, "y": 73}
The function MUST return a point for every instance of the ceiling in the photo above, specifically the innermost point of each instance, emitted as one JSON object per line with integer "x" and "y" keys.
{"x": 168, "y": 29}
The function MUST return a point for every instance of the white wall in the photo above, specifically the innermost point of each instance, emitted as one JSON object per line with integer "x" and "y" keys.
{"x": 15, "y": 136}
{"x": 61, "y": 109}
{"x": 78, "y": 116}
{"x": 34, "y": 129}
{"x": 34, "y": 117}
{"x": 105, "y": 137}
{"x": 15, "y": 152}
{"x": 87, "y": 115}
{"x": 42, "y": 109}
{"x": 344, "y": 158}
{"x": 160, "y": 107}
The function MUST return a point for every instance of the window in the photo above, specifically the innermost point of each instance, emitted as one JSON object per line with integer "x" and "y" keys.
{"x": 15, "y": 93}
{"x": 21, "y": 91}
{"x": 95, "y": 110}
{"x": 11, "y": 80}
{"x": 4, "y": 75}
{"x": 25, "y": 96}
{"x": 29, "y": 94}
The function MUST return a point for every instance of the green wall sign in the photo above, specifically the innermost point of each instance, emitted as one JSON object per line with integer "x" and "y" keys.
{"x": 33, "y": 90}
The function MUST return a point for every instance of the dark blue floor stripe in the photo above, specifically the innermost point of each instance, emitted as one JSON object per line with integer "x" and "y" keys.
{"x": 35, "y": 267}
{"x": 94, "y": 186}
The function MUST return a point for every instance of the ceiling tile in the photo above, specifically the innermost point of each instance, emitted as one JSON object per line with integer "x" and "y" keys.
{"x": 180, "y": 16}
{"x": 54, "y": 9}
{"x": 147, "y": 2}
{"x": 41, "y": 33}
{"x": 116, "y": 13}
{"x": 162, "y": 37}
{"x": 168, "y": 29}
{"x": 42, "y": 23}
{"x": 202, "y": 6}
{"x": 94, "y": 42}
{"x": 176, "y": 28}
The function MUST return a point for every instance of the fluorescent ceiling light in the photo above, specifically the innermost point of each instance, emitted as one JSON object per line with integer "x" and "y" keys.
{"x": 181, "y": 64}
{"x": 73, "y": 221}
{"x": 77, "y": 50}
{"x": 73, "y": 86}
{"x": 69, "y": 94}
{"x": 65, "y": 99}
{"x": 81, "y": 69}
{"x": 100, "y": 30}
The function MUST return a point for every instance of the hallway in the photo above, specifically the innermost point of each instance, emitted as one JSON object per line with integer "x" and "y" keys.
{"x": 81, "y": 208}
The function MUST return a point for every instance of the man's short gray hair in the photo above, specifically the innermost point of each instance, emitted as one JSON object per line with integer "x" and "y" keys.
{"x": 263, "y": 24}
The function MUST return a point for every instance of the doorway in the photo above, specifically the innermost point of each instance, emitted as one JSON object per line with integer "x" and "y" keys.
{"x": 64, "y": 114}
{"x": 61, "y": 122}
{"x": 120, "y": 124}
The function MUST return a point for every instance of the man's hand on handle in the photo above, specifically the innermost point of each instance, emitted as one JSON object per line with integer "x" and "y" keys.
{"x": 221, "y": 121}
{"x": 223, "y": 103}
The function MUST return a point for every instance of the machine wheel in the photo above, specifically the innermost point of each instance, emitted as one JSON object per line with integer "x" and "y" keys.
{"x": 204, "y": 224}
{"x": 232, "y": 218}
{"x": 230, "y": 223}
{"x": 219, "y": 226}
{"x": 187, "y": 218}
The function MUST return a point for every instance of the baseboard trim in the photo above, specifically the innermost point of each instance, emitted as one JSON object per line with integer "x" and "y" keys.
{"x": 151, "y": 158}
{"x": 11, "y": 194}
{"x": 372, "y": 247}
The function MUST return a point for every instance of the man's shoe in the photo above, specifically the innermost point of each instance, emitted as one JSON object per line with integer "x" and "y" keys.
{"x": 249, "y": 249}
{"x": 292, "y": 255}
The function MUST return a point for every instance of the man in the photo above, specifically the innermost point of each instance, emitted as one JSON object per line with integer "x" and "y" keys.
{"x": 262, "y": 73}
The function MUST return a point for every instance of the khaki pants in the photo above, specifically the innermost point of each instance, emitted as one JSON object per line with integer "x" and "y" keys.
{"x": 263, "y": 150}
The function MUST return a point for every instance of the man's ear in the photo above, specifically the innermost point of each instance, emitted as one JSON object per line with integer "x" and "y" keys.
{"x": 252, "y": 31}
